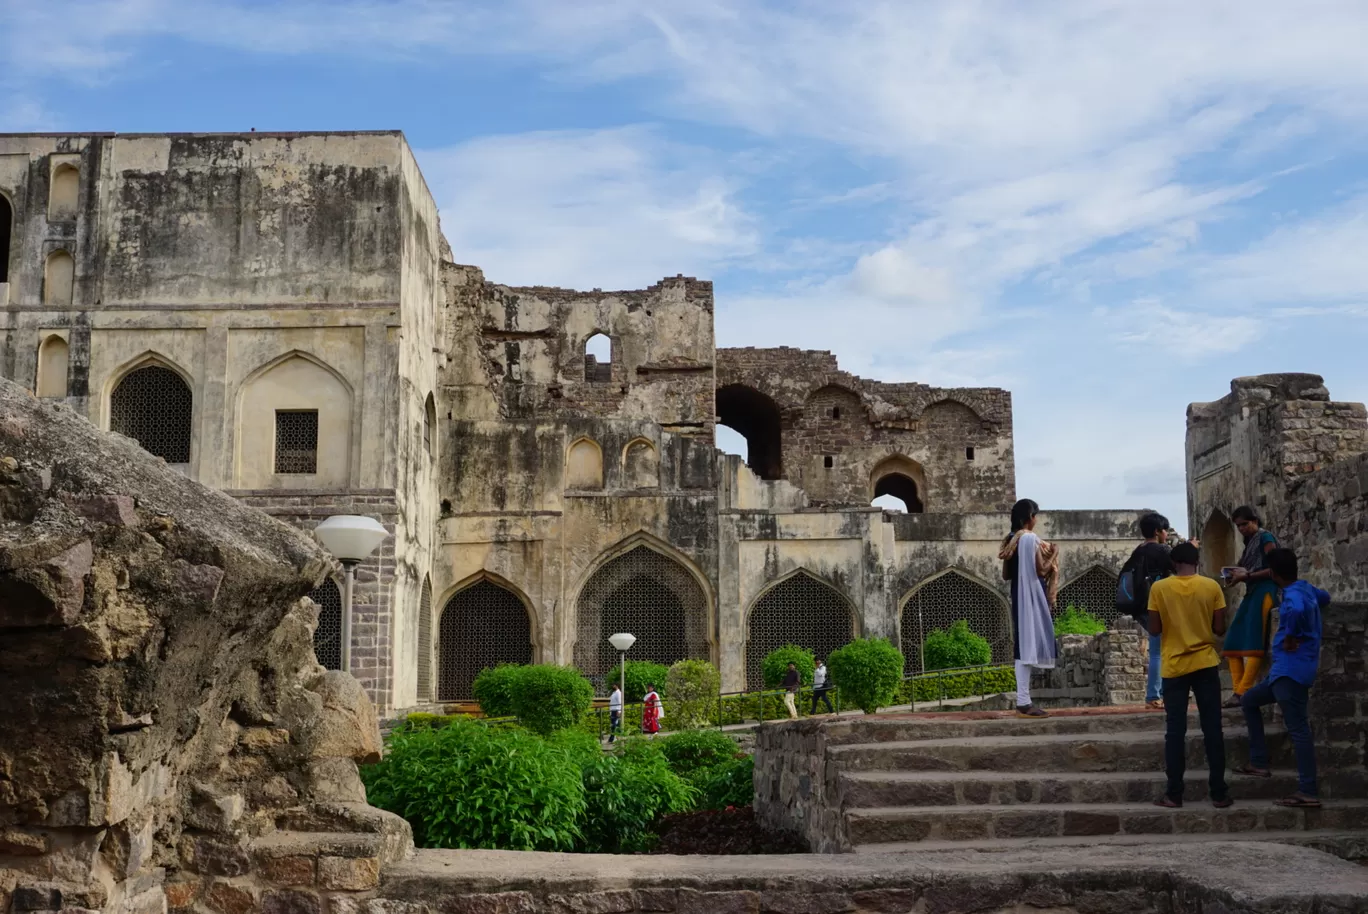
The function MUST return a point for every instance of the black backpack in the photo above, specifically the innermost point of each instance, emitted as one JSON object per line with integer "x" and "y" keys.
{"x": 1133, "y": 585}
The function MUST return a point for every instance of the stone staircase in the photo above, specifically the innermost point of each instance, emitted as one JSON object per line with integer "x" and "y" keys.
{"x": 920, "y": 784}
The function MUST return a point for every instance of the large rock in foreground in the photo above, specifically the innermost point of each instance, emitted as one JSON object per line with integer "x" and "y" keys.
{"x": 164, "y": 720}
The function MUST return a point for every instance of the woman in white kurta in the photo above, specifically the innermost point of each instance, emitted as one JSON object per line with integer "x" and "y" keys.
{"x": 1031, "y": 566}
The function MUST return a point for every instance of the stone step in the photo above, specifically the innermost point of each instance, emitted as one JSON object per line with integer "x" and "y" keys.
{"x": 1347, "y": 844}
{"x": 888, "y": 729}
{"x": 882, "y": 825}
{"x": 1125, "y": 751}
{"x": 864, "y": 789}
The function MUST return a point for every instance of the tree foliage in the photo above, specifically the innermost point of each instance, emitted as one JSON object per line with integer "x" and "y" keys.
{"x": 954, "y": 647}
{"x": 775, "y": 664}
{"x": 868, "y": 671}
{"x": 693, "y": 687}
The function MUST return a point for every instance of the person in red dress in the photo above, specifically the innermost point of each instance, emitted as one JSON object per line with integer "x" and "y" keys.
{"x": 651, "y": 711}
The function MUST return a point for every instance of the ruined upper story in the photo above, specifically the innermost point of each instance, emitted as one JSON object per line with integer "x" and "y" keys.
{"x": 846, "y": 440}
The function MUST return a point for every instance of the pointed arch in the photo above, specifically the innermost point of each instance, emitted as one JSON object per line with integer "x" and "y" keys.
{"x": 797, "y": 608}
{"x": 425, "y": 640}
{"x": 6, "y": 236}
{"x": 903, "y": 478}
{"x": 640, "y": 465}
{"x": 54, "y": 357}
{"x": 151, "y": 400}
{"x": 59, "y": 278}
{"x": 1220, "y": 543}
{"x": 327, "y": 637}
{"x": 942, "y": 599}
{"x": 484, "y": 621}
{"x": 64, "y": 193}
{"x": 1093, "y": 591}
{"x": 294, "y": 416}
{"x": 647, "y": 587}
{"x": 584, "y": 464}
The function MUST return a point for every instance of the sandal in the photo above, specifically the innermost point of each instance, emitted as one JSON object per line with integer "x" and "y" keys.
{"x": 1251, "y": 771}
{"x": 1223, "y": 803}
{"x": 1154, "y": 704}
{"x": 1030, "y": 711}
{"x": 1297, "y": 801}
{"x": 1168, "y": 802}
{"x": 1232, "y": 702}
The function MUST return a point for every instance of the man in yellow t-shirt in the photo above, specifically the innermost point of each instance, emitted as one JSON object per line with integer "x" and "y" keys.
{"x": 1187, "y": 612}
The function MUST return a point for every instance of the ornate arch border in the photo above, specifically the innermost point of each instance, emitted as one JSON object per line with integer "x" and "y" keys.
{"x": 1004, "y": 602}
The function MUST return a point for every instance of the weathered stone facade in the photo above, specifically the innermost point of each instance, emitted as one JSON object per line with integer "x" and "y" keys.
{"x": 279, "y": 316}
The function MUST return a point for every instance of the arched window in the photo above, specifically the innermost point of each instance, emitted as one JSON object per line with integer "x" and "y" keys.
{"x": 640, "y": 467}
{"x": 64, "y": 194}
{"x": 584, "y": 465}
{"x": 53, "y": 359}
{"x": 430, "y": 426}
{"x": 1093, "y": 591}
{"x": 482, "y": 626}
{"x": 942, "y": 600}
{"x": 898, "y": 482}
{"x": 756, "y": 418}
{"x": 6, "y": 233}
{"x": 425, "y": 642}
{"x": 650, "y": 595}
{"x": 59, "y": 278}
{"x": 328, "y": 635}
{"x": 153, "y": 406}
{"x": 798, "y": 610}
{"x": 294, "y": 419}
{"x": 598, "y": 358}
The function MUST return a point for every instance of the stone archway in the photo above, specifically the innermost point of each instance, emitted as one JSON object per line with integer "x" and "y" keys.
{"x": 482, "y": 625}
{"x": 942, "y": 600}
{"x": 799, "y": 609}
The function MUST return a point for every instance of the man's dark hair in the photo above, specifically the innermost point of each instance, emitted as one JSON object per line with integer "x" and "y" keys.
{"x": 791, "y": 663}
{"x": 1185, "y": 554}
{"x": 1283, "y": 564}
{"x": 1151, "y": 524}
{"x": 1244, "y": 512}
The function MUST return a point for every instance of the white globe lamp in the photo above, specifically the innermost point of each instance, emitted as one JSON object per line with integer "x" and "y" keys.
{"x": 351, "y": 539}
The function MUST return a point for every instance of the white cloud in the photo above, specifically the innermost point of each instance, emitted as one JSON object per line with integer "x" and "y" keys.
{"x": 614, "y": 209}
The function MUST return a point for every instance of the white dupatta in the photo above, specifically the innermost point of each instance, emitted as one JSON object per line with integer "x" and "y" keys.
{"x": 1035, "y": 628}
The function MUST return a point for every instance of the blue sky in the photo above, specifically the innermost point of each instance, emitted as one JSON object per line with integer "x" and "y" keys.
{"x": 1110, "y": 208}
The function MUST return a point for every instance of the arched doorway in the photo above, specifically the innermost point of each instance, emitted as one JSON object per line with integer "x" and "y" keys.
{"x": 901, "y": 478}
{"x": 6, "y": 233}
{"x": 942, "y": 600}
{"x": 482, "y": 626}
{"x": 756, "y": 418}
{"x": 800, "y": 610}
{"x": 650, "y": 595}
{"x": 153, "y": 406}
{"x": 327, "y": 638}
{"x": 1093, "y": 591}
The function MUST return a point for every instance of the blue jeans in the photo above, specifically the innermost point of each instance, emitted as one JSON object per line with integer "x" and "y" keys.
{"x": 1154, "y": 686}
{"x": 1291, "y": 697}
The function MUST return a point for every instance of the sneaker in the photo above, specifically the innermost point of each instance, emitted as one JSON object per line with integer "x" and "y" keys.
{"x": 1030, "y": 711}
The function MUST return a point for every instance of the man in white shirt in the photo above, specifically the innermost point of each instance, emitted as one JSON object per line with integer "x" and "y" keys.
{"x": 820, "y": 688}
{"x": 614, "y": 713}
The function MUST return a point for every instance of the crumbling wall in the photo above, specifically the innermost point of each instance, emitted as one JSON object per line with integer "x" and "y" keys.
{"x": 167, "y": 730}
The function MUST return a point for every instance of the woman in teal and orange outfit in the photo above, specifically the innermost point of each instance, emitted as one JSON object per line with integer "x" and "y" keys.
{"x": 1246, "y": 642}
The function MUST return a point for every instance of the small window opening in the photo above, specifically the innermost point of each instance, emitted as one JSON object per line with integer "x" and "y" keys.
{"x": 296, "y": 441}
{"x": 64, "y": 193}
{"x": 835, "y": 412}
{"x": 969, "y": 453}
{"x": 6, "y": 227}
{"x": 598, "y": 358}
{"x": 59, "y": 278}
{"x": 828, "y": 461}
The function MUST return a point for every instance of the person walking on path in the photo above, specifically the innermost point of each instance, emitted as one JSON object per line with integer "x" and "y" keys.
{"x": 652, "y": 710}
{"x": 1187, "y": 612}
{"x": 614, "y": 714}
{"x": 820, "y": 687}
{"x": 791, "y": 682}
{"x": 1032, "y": 567}
{"x": 1246, "y": 643}
{"x": 1296, "y": 654}
{"x": 1150, "y": 562}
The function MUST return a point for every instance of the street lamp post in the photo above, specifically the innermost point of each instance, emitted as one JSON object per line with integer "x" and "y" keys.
{"x": 351, "y": 539}
{"x": 622, "y": 643}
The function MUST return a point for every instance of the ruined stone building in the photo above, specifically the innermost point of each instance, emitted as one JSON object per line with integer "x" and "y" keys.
{"x": 279, "y": 316}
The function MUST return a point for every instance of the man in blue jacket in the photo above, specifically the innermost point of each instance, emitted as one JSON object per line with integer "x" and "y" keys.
{"x": 1296, "y": 654}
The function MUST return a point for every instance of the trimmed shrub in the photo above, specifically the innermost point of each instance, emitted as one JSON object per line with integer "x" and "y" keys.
{"x": 693, "y": 687}
{"x": 953, "y": 647}
{"x": 776, "y": 664}
{"x": 695, "y": 751}
{"x": 494, "y": 689}
{"x": 729, "y": 784}
{"x": 990, "y": 681}
{"x": 868, "y": 671}
{"x": 1075, "y": 621}
{"x": 468, "y": 785}
{"x": 548, "y": 698}
{"x": 640, "y": 674}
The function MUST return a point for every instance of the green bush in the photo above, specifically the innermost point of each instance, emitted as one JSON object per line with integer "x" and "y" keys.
{"x": 729, "y": 784}
{"x": 776, "y": 664}
{"x": 469, "y": 785}
{"x": 1075, "y": 621}
{"x": 548, "y": 698}
{"x": 640, "y": 674}
{"x": 494, "y": 689}
{"x": 627, "y": 791}
{"x": 694, "y": 751}
{"x": 870, "y": 671}
{"x": 990, "y": 681}
{"x": 422, "y": 719}
{"x": 954, "y": 647}
{"x": 693, "y": 687}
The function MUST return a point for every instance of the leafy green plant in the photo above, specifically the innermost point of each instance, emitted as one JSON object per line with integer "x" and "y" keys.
{"x": 1075, "y": 621}
{"x": 627, "y": 791}
{"x": 548, "y": 698}
{"x": 869, "y": 671}
{"x": 954, "y": 647}
{"x": 494, "y": 689}
{"x": 640, "y": 674}
{"x": 693, "y": 687}
{"x": 729, "y": 784}
{"x": 776, "y": 662}
{"x": 694, "y": 751}
{"x": 989, "y": 681}
{"x": 468, "y": 785}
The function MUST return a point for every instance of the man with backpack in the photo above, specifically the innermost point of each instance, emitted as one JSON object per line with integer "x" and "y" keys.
{"x": 1148, "y": 563}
